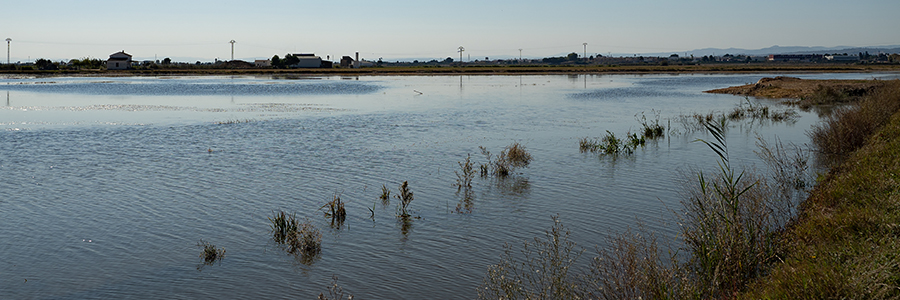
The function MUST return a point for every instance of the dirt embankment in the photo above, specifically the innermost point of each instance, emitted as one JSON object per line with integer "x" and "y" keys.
{"x": 796, "y": 88}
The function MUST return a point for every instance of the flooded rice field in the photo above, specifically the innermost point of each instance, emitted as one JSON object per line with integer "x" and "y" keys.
{"x": 107, "y": 185}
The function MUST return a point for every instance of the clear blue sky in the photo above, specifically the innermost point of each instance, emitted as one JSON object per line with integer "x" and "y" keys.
{"x": 432, "y": 29}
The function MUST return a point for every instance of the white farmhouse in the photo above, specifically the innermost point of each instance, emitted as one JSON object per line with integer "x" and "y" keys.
{"x": 119, "y": 61}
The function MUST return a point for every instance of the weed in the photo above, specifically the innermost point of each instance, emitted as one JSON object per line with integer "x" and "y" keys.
{"x": 335, "y": 292}
{"x": 847, "y": 128}
{"x": 299, "y": 238}
{"x": 611, "y": 144}
{"x": 511, "y": 158}
{"x": 282, "y": 226}
{"x": 210, "y": 253}
{"x": 405, "y": 196}
{"x": 465, "y": 174}
{"x": 633, "y": 269}
{"x": 651, "y": 130}
{"x": 307, "y": 241}
{"x": 385, "y": 195}
{"x": 542, "y": 274}
{"x": 335, "y": 210}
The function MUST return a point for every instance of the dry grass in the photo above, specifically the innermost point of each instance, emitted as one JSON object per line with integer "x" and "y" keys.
{"x": 511, "y": 158}
{"x": 847, "y": 128}
{"x": 540, "y": 272}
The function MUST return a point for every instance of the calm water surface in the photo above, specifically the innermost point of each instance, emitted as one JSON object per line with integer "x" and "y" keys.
{"x": 107, "y": 184}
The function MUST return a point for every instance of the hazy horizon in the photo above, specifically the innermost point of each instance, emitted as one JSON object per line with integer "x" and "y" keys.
{"x": 393, "y": 30}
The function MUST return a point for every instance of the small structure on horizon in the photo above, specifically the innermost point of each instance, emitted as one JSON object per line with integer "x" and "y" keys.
{"x": 346, "y": 62}
{"x": 119, "y": 61}
{"x": 262, "y": 63}
{"x": 307, "y": 60}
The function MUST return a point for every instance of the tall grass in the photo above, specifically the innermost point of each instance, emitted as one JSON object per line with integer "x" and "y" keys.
{"x": 540, "y": 272}
{"x": 299, "y": 238}
{"x": 728, "y": 225}
{"x": 335, "y": 211}
{"x": 847, "y": 128}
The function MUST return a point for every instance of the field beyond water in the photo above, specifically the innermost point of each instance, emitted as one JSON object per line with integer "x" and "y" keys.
{"x": 492, "y": 70}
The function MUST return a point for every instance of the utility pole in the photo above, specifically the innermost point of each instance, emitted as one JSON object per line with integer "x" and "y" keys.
{"x": 7, "y": 49}
{"x": 232, "y": 49}
{"x": 461, "y": 49}
{"x": 520, "y": 54}
{"x": 584, "y": 55}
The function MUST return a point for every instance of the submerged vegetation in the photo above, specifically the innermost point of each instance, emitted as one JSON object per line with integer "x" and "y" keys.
{"x": 511, "y": 158}
{"x": 405, "y": 196}
{"x": 210, "y": 253}
{"x": 299, "y": 238}
{"x": 741, "y": 234}
{"x": 335, "y": 211}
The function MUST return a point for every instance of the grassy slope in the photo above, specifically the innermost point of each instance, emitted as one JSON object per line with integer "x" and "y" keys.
{"x": 846, "y": 244}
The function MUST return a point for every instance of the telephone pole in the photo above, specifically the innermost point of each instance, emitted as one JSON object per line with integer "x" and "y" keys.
{"x": 7, "y": 49}
{"x": 584, "y": 55}
{"x": 232, "y": 49}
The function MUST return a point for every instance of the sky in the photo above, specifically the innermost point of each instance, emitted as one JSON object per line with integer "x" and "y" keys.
{"x": 189, "y": 30}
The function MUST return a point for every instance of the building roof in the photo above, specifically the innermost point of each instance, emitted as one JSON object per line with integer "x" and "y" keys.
{"x": 120, "y": 54}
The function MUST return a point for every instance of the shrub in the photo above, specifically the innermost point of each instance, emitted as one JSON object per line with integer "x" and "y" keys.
{"x": 542, "y": 274}
{"x": 847, "y": 128}
{"x": 511, "y": 158}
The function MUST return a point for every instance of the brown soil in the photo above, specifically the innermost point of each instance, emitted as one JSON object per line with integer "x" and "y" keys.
{"x": 796, "y": 88}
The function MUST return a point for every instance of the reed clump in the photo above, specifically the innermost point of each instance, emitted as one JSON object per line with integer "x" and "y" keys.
{"x": 512, "y": 157}
{"x": 336, "y": 211}
{"x": 300, "y": 238}
{"x": 210, "y": 253}
{"x": 385, "y": 195}
{"x": 611, "y": 144}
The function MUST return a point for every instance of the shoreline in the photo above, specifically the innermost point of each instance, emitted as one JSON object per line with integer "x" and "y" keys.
{"x": 488, "y": 70}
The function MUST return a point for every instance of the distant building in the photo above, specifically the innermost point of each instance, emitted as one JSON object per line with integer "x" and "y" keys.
{"x": 346, "y": 62}
{"x": 262, "y": 63}
{"x": 841, "y": 57}
{"x": 307, "y": 60}
{"x": 119, "y": 61}
{"x": 795, "y": 57}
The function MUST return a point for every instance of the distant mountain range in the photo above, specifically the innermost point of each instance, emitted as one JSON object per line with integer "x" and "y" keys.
{"x": 779, "y": 50}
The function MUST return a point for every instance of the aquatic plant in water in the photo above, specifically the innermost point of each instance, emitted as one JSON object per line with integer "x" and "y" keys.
{"x": 299, "y": 238}
{"x": 510, "y": 158}
{"x": 210, "y": 253}
{"x": 335, "y": 211}
{"x": 405, "y": 196}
